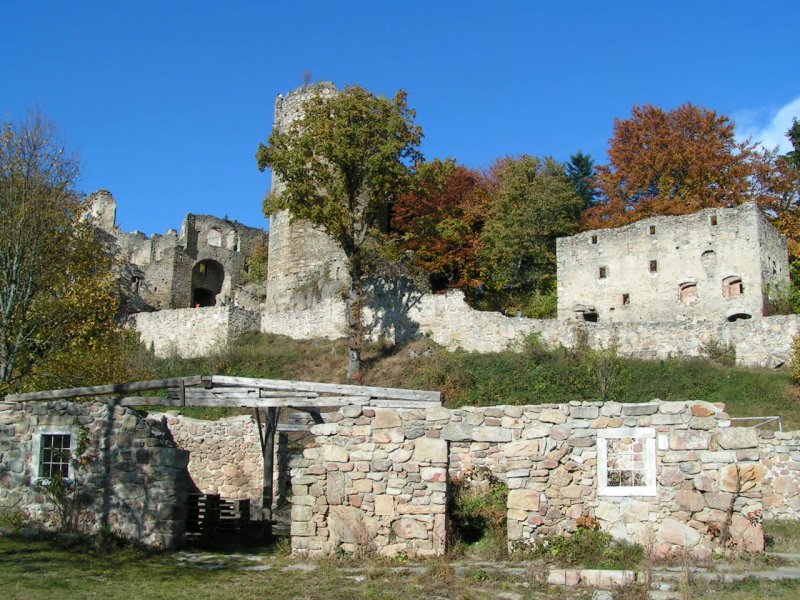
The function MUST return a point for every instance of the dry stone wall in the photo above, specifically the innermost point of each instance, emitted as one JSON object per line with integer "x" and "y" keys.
{"x": 378, "y": 478}
{"x": 224, "y": 455}
{"x": 135, "y": 481}
{"x": 192, "y": 332}
{"x": 781, "y": 452}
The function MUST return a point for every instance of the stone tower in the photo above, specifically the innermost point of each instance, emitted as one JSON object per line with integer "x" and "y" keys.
{"x": 305, "y": 266}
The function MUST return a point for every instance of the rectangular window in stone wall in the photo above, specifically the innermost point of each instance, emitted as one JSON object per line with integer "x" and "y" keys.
{"x": 53, "y": 447}
{"x": 626, "y": 462}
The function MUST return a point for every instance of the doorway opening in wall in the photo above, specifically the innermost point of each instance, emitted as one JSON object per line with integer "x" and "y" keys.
{"x": 478, "y": 507}
{"x": 207, "y": 279}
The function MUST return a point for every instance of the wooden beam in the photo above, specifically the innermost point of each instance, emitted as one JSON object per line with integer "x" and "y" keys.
{"x": 105, "y": 390}
{"x": 334, "y": 388}
{"x": 271, "y": 425}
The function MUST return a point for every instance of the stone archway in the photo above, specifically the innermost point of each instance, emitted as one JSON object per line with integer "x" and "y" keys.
{"x": 207, "y": 278}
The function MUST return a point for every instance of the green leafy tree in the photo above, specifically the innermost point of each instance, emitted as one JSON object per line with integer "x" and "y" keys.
{"x": 341, "y": 164}
{"x": 58, "y": 298}
{"x": 535, "y": 203}
{"x": 580, "y": 170}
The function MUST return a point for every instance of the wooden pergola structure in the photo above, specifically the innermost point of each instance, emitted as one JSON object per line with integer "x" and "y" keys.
{"x": 267, "y": 397}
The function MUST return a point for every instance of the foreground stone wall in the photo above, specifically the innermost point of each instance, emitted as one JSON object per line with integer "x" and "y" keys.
{"x": 378, "y": 478}
{"x": 375, "y": 482}
{"x": 135, "y": 481}
{"x": 224, "y": 455}
{"x": 781, "y": 457}
{"x": 449, "y": 321}
{"x": 192, "y": 332}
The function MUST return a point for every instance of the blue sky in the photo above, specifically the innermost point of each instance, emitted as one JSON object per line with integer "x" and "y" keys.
{"x": 167, "y": 100}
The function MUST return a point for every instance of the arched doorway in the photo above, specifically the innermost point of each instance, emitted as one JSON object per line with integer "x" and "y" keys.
{"x": 207, "y": 278}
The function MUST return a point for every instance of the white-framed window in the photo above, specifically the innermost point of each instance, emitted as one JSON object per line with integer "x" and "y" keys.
{"x": 626, "y": 462}
{"x": 53, "y": 448}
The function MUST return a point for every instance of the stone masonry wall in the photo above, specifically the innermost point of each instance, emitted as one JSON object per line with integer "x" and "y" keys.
{"x": 378, "y": 478}
{"x": 637, "y": 272}
{"x": 781, "y": 452}
{"x": 375, "y": 482}
{"x": 135, "y": 481}
{"x": 449, "y": 321}
{"x": 224, "y": 455}
{"x": 192, "y": 332}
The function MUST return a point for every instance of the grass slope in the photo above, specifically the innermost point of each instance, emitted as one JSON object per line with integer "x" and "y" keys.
{"x": 533, "y": 376}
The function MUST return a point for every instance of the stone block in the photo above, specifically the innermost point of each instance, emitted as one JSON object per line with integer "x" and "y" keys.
{"x": 351, "y": 411}
{"x": 678, "y": 534}
{"x": 408, "y": 528}
{"x": 638, "y": 410}
{"x": 350, "y": 525}
{"x": 552, "y": 415}
{"x": 703, "y": 410}
{"x": 736, "y": 438}
{"x": 457, "y": 432}
{"x": 491, "y": 434}
{"x": 744, "y": 478}
{"x": 384, "y": 505}
{"x": 521, "y": 448}
{"x": 430, "y": 450}
{"x": 535, "y": 430}
{"x": 437, "y": 474}
{"x": 335, "y": 454}
{"x": 524, "y": 500}
{"x": 584, "y": 412}
{"x": 386, "y": 418}
{"x": 325, "y": 428}
{"x": 690, "y": 500}
{"x": 689, "y": 440}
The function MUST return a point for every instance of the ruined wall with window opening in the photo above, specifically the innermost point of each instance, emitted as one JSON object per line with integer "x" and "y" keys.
{"x": 664, "y": 474}
{"x": 715, "y": 264}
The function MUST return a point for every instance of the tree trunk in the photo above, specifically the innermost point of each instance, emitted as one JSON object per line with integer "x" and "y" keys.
{"x": 353, "y": 304}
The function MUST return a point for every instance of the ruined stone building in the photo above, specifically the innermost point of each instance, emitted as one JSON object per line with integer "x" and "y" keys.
{"x": 204, "y": 265}
{"x": 719, "y": 263}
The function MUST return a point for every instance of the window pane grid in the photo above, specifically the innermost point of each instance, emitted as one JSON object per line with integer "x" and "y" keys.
{"x": 626, "y": 463}
{"x": 55, "y": 455}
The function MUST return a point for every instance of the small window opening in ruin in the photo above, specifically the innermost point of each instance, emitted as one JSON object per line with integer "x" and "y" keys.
{"x": 652, "y": 229}
{"x": 732, "y": 287}
{"x": 740, "y": 317}
{"x": 214, "y": 237}
{"x": 594, "y": 239}
{"x": 626, "y": 462}
{"x": 713, "y": 219}
{"x": 603, "y": 273}
{"x": 626, "y": 299}
{"x": 653, "y": 266}
{"x": 591, "y": 317}
{"x": 688, "y": 293}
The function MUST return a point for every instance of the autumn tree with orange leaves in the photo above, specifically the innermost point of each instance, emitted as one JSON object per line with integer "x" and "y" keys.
{"x": 440, "y": 220}
{"x": 672, "y": 163}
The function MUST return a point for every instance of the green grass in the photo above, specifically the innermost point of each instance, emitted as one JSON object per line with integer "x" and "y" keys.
{"x": 782, "y": 536}
{"x": 534, "y": 376}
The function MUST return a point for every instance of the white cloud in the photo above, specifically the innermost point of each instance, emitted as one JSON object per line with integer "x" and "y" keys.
{"x": 768, "y": 126}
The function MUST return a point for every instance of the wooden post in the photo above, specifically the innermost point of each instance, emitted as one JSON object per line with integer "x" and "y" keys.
{"x": 283, "y": 467}
{"x": 270, "y": 426}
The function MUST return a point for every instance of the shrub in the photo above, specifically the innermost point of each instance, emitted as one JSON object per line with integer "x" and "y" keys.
{"x": 590, "y": 548}
{"x": 477, "y": 507}
{"x": 718, "y": 352}
{"x": 794, "y": 368}
{"x": 541, "y": 306}
{"x": 784, "y": 299}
